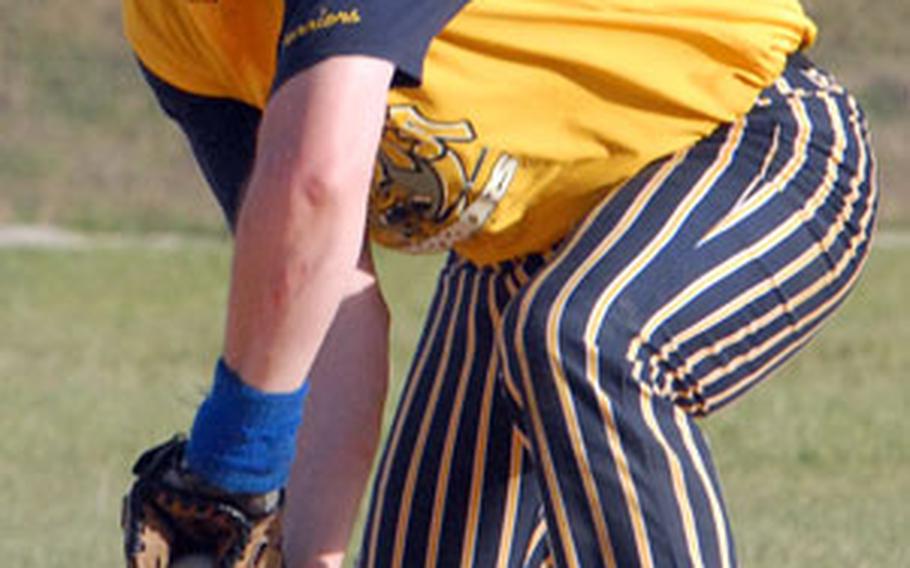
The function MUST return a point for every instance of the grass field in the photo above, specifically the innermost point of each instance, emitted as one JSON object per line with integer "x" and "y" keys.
{"x": 107, "y": 349}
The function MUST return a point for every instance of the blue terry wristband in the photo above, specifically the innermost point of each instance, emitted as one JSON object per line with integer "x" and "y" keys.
{"x": 243, "y": 439}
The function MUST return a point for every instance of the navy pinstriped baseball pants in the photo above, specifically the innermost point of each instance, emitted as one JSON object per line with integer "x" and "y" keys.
{"x": 549, "y": 414}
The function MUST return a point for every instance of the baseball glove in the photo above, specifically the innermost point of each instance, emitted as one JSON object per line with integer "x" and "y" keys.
{"x": 169, "y": 513}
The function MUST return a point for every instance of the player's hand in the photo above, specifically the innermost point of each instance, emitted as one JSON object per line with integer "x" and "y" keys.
{"x": 169, "y": 513}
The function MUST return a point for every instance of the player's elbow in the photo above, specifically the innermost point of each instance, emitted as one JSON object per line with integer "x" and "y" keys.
{"x": 293, "y": 183}
{"x": 324, "y": 190}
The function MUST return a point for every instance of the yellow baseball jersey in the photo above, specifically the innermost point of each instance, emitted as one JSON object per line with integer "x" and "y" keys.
{"x": 508, "y": 120}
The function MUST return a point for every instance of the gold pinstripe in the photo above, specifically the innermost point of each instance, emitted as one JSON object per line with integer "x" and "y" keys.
{"x": 666, "y": 233}
{"x": 720, "y": 373}
{"x": 677, "y": 477}
{"x": 751, "y": 199}
{"x": 540, "y": 532}
{"x": 738, "y": 303}
{"x": 717, "y": 513}
{"x": 592, "y": 496}
{"x": 570, "y": 416}
{"x": 518, "y": 278}
{"x": 855, "y": 242}
{"x": 513, "y": 391}
{"x": 445, "y": 464}
{"x": 758, "y": 373}
{"x": 405, "y": 406}
{"x": 788, "y": 90}
{"x": 793, "y": 267}
{"x": 731, "y": 265}
{"x": 513, "y": 287}
{"x": 506, "y": 537}
{"x": 483, "y": 435}
{"x": 622, "y": 463}
{"x": 793, "y": 166}
{"x": 521, "y": 275}
{"x": 569, "y": 413}
{"x": 598, "y": 313}
{"x": 807, "y": 321}
{"x": 546, "y": 460}
{"x": 710, "y": 278}
{"x": 407, "y": 496}
{"x": 699, "y": 286}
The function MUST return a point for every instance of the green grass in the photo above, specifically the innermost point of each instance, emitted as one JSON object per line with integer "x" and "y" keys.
{"x": 81, "y": 142}
{"x": 100, "y": 350}
{"x": 106, "y": 350}
{"x": 816, "y": 462}
{"x": 866, "y": 45}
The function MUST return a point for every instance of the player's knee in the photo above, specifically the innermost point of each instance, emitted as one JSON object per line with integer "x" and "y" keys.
{"x": 521, "y": 328}
{"x": 539, "y": 343}
{"x": 535, "y": 339}
{"x": 522, "y": 342}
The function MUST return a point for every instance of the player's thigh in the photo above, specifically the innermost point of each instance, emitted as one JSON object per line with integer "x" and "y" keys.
{"x": 682, "y": 290}
{"x": 454, "y": 486}
{"x": 763, "y": 276}
{"x": 712, "y": 266}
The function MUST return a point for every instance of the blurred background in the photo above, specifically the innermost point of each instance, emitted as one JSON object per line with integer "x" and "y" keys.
{"x": 106, "y": 342}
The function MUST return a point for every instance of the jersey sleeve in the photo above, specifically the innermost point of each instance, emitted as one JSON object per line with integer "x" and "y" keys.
{"x": 399, "y": 31}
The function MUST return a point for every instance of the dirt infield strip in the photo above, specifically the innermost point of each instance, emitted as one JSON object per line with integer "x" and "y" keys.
{"x": 49, "y": 237}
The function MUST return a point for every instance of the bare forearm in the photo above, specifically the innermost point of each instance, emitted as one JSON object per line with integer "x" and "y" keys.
{"x": 287, "y": 279}
{"x": 295, "y": 267}
{"x": 301, "y": 223}
{"x": 340, "y": 432}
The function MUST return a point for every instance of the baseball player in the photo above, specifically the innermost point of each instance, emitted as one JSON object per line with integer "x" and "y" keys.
{"x": 649, "y": 207}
